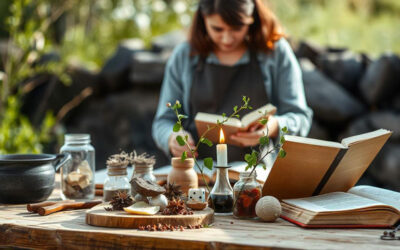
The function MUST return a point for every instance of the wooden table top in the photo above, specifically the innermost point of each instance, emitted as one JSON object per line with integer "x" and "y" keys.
{"x": 67, "y": 229}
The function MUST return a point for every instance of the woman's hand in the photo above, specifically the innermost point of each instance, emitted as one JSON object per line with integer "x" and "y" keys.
{"x": 176, "y": 149}
{"x": 252, "y": 137}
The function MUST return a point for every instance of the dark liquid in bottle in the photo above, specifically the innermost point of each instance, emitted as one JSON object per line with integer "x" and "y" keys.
{"x": 223, "y": 203}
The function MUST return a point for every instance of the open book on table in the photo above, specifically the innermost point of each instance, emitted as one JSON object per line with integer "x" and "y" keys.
{"x": 232, "y": 125}
{"x": 313, "y": 167}
{"x": 361, "y": 206}
{"x": 210, "y": 175}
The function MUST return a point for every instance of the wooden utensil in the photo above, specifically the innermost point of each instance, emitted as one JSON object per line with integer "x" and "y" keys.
{"x": 49, "y": 207}
{"x": 67, "y": 205}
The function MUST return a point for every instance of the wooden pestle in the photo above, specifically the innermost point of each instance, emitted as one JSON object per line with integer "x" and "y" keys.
{"x": 67, "y": 205}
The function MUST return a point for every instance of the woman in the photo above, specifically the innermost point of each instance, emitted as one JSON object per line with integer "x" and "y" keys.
{"x": 235, "y": 49}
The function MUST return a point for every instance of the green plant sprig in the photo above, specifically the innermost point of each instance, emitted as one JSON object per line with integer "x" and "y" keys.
{"x": 183, "y": 140}
{"x": 255, "y": 159}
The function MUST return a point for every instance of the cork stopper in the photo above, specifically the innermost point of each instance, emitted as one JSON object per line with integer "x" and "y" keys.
{"x": 116, "y": 170}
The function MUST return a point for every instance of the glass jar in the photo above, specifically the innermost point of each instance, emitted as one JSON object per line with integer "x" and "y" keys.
{"x": 221, "y": 196}
{"x": 77, "y": 176}
{"x": 144, "y": 171}
{"x": 247, "y": 191}
{"x": 116, "y": 181}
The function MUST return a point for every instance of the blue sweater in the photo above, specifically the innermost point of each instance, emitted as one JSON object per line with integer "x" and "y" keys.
{"x": 282, "y": 79}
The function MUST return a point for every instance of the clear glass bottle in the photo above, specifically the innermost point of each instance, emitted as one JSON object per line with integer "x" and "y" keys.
{"x": 247, "y": 191}
{"x": 144, "y": 171}
{"x": 116, "y": 181}
{"x": 77, "y": 176}
{"x": 221, "y": 196}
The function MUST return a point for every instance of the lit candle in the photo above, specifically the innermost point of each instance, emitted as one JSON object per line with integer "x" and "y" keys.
{"x": 222, "y": 151}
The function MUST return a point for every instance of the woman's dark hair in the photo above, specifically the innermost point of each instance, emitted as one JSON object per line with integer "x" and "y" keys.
{"x": 263, "y": 32}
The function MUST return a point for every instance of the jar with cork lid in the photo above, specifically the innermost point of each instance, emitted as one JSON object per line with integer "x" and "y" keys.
{"x": 117, "y": 176}
{"x": 143, "y": 168}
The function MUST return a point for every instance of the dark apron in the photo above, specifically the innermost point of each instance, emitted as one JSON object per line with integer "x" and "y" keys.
{"x": 217, "y": 89}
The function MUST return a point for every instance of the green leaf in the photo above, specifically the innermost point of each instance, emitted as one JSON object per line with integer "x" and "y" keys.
{"x": 206, "y": 141}
{"x": 247, "y": 157}
{"x": 263, "y": 166}
{"x": 183, "y": 156}
{"x": 282, "y": 139}
{"x": 249, "y": 107}
{"x": 208, "y": 162}
{"x": 284, "y": 129}
{"x": 223, "y": 115}
{"x": 247, "y": 167}
{"x": 263, "y": 121}
{"x": 282, "y": 153}
{"x": 180, "y": 116}
{"x": 235, "y": 109}
{"x": 264, "y": 140}
{"x": 237, "y": 116}
{"x": 180, "y": 140}
{"x": 177, "y": 127}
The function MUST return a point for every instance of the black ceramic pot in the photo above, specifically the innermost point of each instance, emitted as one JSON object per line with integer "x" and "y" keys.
{"x": 28, "y": 178}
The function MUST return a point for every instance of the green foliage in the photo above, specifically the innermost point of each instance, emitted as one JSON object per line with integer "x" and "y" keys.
{"x": 180, "y": 140}
{"x": 370, "y": 26}
{"x": 16, "y": 133}
{"x": 208, "y": 162}
{"x": 28, "y": 32}
{"x": 206, "y": 141}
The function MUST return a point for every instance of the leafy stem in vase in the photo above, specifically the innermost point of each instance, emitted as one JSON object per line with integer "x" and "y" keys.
{"x": 256, "y": 158}
{"x": 183, "y": 139}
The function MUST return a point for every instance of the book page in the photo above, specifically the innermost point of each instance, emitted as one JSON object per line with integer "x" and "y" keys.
{"x": 359, "y": 138}
{"x": 336, "y": 201}
{"x": 255, "y": 115}
{"x": 213, "y": 118}
{"x": 389, "y": 197}
{"x": 312, "y": 141}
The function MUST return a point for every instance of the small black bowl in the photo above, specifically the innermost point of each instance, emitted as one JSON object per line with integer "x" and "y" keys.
{"x": 28, "y": 178}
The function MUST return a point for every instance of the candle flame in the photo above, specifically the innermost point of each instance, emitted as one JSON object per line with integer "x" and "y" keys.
{"x": 221, "y": 136}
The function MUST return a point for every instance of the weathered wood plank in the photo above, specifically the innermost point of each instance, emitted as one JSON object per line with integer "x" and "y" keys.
{"x": 68, "y": 230}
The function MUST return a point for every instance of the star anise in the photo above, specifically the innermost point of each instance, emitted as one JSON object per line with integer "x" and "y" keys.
{"x": 172, "y": 191}
{"x": 176, "y": 206}
{"x": 119, "y": 201}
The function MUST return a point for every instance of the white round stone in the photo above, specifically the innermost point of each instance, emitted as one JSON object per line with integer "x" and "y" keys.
{"x": 268, "y": 208}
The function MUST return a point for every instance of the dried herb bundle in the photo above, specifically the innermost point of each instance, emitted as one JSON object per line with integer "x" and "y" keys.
{"x": 172, "y": 191}
{"x": 119, "y": 160}
{"x": 143, "y": 159}
{"x": 119, "y": 201}
{"x": 176, "y": 206}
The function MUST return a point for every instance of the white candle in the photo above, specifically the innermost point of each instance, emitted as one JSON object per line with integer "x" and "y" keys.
{"x": 222, "y": 151}
{"x": 222, "y": 155}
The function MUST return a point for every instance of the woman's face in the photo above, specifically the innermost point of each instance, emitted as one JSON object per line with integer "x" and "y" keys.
{"x": 225, "y": 37}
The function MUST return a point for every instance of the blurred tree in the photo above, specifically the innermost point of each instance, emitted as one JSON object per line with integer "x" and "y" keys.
{"x": 28, "y": 27}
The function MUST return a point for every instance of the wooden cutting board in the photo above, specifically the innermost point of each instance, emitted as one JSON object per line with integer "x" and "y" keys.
{"x": 97, "y": 216}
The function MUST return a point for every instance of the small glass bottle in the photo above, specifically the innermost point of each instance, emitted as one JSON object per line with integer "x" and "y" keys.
{"x": 143, "y": 170}
{"x": 247, "y": 191}
{"x": 221, "y": 196}
{"x": 116, "y": 181}
{"x": 77, "y": 176}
